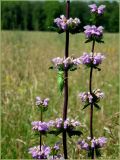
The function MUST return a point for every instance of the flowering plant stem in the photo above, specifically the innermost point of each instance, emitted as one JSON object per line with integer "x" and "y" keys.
{"x": 91, "y": 108}
{"x": 41, "y": 117}
{"x": 66, "y": 84}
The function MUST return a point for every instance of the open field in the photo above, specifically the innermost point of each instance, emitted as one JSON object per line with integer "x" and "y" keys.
{"x": 25, "y": 60}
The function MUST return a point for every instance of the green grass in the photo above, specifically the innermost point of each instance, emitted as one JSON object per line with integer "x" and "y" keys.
{"x": 26, "y": 58}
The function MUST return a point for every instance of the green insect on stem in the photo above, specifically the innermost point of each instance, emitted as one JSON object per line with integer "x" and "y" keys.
{"x": 60, "y": 81}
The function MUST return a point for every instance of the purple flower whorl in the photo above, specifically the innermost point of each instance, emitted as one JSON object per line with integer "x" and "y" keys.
{"x": 97, "y": 10}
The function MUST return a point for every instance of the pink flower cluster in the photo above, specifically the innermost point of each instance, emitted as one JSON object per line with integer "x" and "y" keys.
{"x": 65, "y": 62}
{"x": 63, "y": 23}
{"x": 40, "y": 126}
{"x": 92, "y": 143}
{"x": 45, "y": 152}
{"x": 93, "y": 31}
{"x": 58, "y": 123}
{"x": 89, "y": 60}
{"x": 99, "y": 10}
{"x": 43, "y": 102}
{"x": 88, "y": 98}
{"x": 37, "y": 154}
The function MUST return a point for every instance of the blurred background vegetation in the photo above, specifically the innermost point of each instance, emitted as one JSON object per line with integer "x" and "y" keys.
{"x": 39, "y": 15}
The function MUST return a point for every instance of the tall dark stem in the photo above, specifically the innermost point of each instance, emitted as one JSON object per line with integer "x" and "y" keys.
{"x": 66, "y": 84}
{"x": 91, "y": 107}
{"x": 41, "y": 117}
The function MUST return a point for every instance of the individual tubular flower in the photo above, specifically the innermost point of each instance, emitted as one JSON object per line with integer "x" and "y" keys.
{"x": 93, "y": 33}
{"x": 70, "y": 24}
{"x": 56, "y": 147}
{"x": 37, "y": 154}
{"x": 98, "y": 10}
{"x": 68, "y": 63}
{"x": 92, "y": 61}
{"x": 42, "y": 127}
{"x": 99, "y": 94}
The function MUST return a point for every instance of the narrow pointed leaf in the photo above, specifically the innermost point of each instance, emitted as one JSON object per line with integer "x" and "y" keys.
{"x": 86, "y": 105}
{"x": 74, "y": 133}
{"x": 88, "y": 40}
{"x": 51, "y": 67}
{"x": 97, "y": 152}
{"x": 55, "y": 132}
{"x": 97, "y": 106}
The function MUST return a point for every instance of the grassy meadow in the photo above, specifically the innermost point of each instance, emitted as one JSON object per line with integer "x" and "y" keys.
{"x": 26, "y": 57}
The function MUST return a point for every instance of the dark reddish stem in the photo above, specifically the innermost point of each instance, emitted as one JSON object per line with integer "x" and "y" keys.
{"x": 66, "y": 84}
{"x": 41, "y": 117}
{"x": 91, "y": 107}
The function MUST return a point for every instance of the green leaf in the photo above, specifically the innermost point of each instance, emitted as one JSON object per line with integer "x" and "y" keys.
{"x": 89, "y": 152}
{"x": 73, "y": 133}
{"x": 56, "y": 132}
{"x": 97, "y": 152}
{"x": 44, "y": 109}
{"x": 99, "y": 40}
{"x": 97, "y": 106}
{"x": 51, "y": 67}
{"x": 73, "y": 68}
{"x": 52, "y": 28}
{"x": 99, "y": 69}
{"x": 86, "y": 105}
{"x": 88, "y": 40}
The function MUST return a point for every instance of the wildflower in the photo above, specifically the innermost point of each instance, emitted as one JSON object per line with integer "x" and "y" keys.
{"x": 91, "y": 98}
{"x": 59, "y": 123}
{"x": 99, "y": 10}
{"x": 86, "y": 97}
{"x": 51, "y": 123}
{"x": 38, "y": 101}
{"x": 43, "y": 102}
{"x": 92, "y": 143}
{"x": 40, "y": 126}
{"x": 56, "y": 147}
{"x": 83, "y": 145}
{"x": 102, "y": 141}
{"x": 98, "y": 142}
{"x": 92, "y": 32}
{"x": 37, "y": 154}
{"x": 67, "y": 24}
{"x": 99, "y": 94}
{"x": 65, "y": 63}
{"x": 90, "y": 60}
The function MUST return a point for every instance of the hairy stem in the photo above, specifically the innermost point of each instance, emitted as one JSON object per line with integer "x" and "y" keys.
{"x": 66, "y": 84}
{"x": 91, "y": 107}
